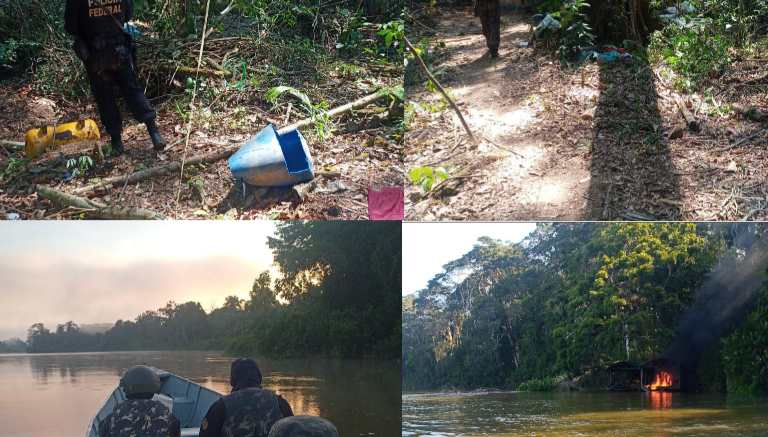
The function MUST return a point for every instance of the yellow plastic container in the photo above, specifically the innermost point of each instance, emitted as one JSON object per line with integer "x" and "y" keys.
{"x": 44, "y": 139}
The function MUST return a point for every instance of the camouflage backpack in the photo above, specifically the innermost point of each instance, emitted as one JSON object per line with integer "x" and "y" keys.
{"x": 251, "y": 412}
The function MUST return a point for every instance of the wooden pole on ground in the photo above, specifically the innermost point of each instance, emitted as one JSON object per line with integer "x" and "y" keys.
{"x": 357, "y": 104}
{"x": 156, "y": 171}
{"x": 99, "y": 209}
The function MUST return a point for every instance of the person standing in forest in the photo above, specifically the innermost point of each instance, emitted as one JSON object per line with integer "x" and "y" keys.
{"x": 249, "y": 411}
{"x": 105, "y": 49}
{"x": 489, "y": 12}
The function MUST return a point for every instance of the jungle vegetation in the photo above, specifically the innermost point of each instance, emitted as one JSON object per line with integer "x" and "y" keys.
{"x": 570, "y": 299}
{"x": 338, "y": 288}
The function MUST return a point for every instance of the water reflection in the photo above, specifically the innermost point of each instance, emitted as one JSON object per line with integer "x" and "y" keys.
{"x": 659, "y": 400}
{"x": 585, "y": 414}
{"x": 359, "y": 396}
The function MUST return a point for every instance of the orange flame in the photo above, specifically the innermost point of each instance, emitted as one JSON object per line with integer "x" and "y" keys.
{"x": 663, "y": 379}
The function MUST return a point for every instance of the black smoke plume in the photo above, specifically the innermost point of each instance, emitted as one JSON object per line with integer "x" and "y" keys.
{"x": 727, "y": 297}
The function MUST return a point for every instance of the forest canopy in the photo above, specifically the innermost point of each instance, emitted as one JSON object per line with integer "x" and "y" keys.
{"x": 337, "y": 289}
{"x": 572, "y": 298}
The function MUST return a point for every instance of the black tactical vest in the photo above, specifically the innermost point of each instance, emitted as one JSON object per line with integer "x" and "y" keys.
{"x": 251, "y": 412}
{"x": 95, "y": 21}
{"x": 141, "y": 418}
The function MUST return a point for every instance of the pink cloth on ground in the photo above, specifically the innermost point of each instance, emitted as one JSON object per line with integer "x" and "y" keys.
{"x": 389, "y": 204}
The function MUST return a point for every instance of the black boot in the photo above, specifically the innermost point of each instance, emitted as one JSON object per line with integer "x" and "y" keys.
{"x": 117, "y": 145}
{"x": 158, "y": 143}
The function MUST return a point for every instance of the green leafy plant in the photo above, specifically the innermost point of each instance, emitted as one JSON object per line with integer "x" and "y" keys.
{"x": 425, "y": 176}
{"x": 14, "y": 164}
{"x": 321, "y": 119}
{"x": 78, "y": 166}
{"x": 576, "y": 32}
{"x": 698, "y": 50}
{"x": 350, "y": 38}
{"x": 8, "y": 51}
{"x": 393, "y": 33}
{"x": 195, "y": 181}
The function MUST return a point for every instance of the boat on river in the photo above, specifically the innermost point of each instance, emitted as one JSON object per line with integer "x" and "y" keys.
{"x": 188, "y": 401}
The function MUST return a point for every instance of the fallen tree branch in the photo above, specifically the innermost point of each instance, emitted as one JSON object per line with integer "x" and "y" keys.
{"x": 508, "y": 149}
{"x": 357, "y": 104}
{"x": 214, "y": 64}
{"x": 189, "y": 71}
{"x": 11, "y": 143}
{"x": 99, "y": 209}
{"x": 751, "y": 113}
{"x": 156, "y": 171}
{"x": 440, "y": 88}
{"x": 740, "y": 142}
{"x": 690, "y": 120}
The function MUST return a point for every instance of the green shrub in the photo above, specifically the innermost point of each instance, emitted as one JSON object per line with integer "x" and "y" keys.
{"x": 546, "y": 384}
{"x": 695, "y": 51}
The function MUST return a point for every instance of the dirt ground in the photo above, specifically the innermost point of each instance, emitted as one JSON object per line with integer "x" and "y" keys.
{"x": 563, "y": 144}
{"x": 367, "y": 158}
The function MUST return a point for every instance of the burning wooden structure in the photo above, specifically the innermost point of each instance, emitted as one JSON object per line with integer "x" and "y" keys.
{"x": 661, "y": 374}
{"x": 623, "y": 376}
{"x": 658, "y": 374}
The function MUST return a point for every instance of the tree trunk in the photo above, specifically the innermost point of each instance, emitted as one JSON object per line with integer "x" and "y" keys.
{"x": 623, "y": 20}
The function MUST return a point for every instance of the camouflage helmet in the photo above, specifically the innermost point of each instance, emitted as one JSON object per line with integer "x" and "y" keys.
{"x": 303, "y": 426}
{"x": 140, "y": 379}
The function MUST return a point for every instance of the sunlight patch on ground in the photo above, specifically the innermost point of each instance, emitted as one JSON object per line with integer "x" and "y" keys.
{"x": 494, "y": 125}
{"x": 553, "y": 193}
{"x": 518, "y": 28}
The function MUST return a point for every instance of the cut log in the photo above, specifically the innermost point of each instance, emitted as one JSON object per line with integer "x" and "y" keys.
{"x": 676, "y": 133}
{"x": 156, "y": 171}
{"x": 99, "y": 209}
{"x": 328, "y": 174}
{"x": 690, "y": 120}
{"x": 751, "y": 113}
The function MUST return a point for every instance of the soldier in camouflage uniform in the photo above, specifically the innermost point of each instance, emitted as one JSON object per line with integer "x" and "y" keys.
{"x": 139, "y": 415}
{"x": 303, "y": 426}
{"x": 489, "y": 12}
{"x": 249, "y": 411}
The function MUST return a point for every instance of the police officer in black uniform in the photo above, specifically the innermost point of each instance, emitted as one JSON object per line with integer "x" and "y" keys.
{"x": 101, "y": 44}
{"x": 249, "y": 411}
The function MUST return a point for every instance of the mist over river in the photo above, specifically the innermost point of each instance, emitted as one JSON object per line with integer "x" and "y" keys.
{"x": 56, "y": 395}
{"x": 584, "y": 414}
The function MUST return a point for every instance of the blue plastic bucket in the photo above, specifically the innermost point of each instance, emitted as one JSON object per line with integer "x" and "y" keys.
{"x": 271, "y": 160}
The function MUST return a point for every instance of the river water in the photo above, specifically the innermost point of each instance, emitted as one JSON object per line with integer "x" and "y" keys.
{"x": 584, "y": 414}
{"x": 56, "y": 395}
